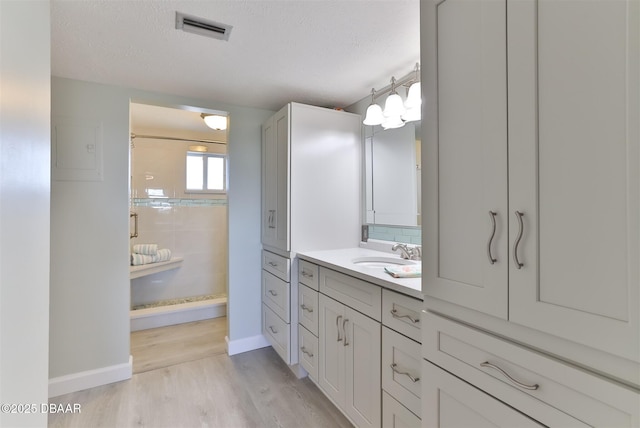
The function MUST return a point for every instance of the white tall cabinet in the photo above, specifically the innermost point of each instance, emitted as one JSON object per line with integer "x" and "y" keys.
{"x": 532, "y": 174}
{"x": 311, "y": 175}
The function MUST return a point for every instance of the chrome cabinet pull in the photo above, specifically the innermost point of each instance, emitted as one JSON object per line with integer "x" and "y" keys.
{"x": 519, "y": 265}
{"x": 344, "y": 330}
{"x": 493, "y": 215}
{"x": 395, "y": 370}
{"x": 306, "y": 308}
{"x": 338, "y": 318}
{"x": 271, "y": 221}
{"x": 512, "y": 380}
{"x": 135, "y": 225}
{"x": 394, "y": 313}
{"x": 273, "y": 264}
{"x": 273, "y": 293}
{"x": 307, "y": 274}
{"x": 273, "y": 330}
{"x": 304, "y": 351}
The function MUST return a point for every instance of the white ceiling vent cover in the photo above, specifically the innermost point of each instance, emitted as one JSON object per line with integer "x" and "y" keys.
{"x": 203, "y": 27}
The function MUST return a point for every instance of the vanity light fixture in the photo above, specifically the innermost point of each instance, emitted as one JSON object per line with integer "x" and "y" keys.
{"x": 214, "y": 121}
{"x": 396, "y": 111}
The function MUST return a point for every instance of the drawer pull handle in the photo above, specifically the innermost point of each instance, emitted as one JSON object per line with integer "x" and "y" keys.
{"x": 505, "y": 374}
{"x": 519, "y": 264}
{"x": 304, "y": 351}
{"x": 273, "y": 330}
{"x": 273, "y": 264}
{"x": 273, "y": 293}
{"x": 344, "y": 330}
{"x": 407, "y": 374}
{"x": 493, "y": 215}
{"x": 338, "y": 318}
{"x": 394, "y": 313}
{"x": 307, "y": 274}
{"x": 306, "y": 308}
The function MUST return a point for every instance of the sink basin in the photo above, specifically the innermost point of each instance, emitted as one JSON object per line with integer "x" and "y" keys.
{"x": 381, "y": 262}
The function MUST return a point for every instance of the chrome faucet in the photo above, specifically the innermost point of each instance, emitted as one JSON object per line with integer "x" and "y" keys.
{"x": 408, "y": 253}
{"x": 405, "y": 252}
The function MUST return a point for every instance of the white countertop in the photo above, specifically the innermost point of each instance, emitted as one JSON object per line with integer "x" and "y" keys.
{"x": 341, "y": 261}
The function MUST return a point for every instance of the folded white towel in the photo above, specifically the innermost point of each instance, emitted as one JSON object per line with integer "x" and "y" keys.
{"x": 140, "y": 259}
{"x": 146, "y": 249}
{"x": 163, "y": 255}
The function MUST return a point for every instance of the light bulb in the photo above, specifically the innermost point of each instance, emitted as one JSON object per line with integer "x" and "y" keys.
{"x": 412, "y": 114}
{"x": 219, "y": 123}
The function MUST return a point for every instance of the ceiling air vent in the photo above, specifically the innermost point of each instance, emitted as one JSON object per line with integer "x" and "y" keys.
{"x": 204, "y": 27}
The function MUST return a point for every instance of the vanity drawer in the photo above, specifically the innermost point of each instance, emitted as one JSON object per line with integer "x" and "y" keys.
{"x": 308, "y": 352}
{"x": 277, "y": 333}
{"x": 308, "y": 308}
{"x": 360, "y": 295}
{"x": 401, "y": 369}
{"x": 487, "y": 362}
{"x": 275, "y": 294}
{"x": 402, "y": 313}
{"x": 395, "y": 415}
{"x": 308, "y": 274}
{"x": 277, "y": 265}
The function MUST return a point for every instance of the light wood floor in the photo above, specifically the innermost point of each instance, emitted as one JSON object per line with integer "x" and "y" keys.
{"x": 254, "y": 389}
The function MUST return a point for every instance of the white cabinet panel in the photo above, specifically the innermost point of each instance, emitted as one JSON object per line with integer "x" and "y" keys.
{"x": 402, "y": 313}
{"x": 574, "y": 144}
{"x": 308, "y": 308}
{"x": 401, "y": 369}
{"x": 275, "y": 294}
{"x": 331, "y": 371}
{"x": 452, "y": 403}
{"x": 466, "y": 149}
{"x": 309, "y": 355}
{"x": 395, "y": 415}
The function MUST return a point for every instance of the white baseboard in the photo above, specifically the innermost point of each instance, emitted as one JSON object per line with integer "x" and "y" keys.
{"x": 89, "y": 379}
{"x": 161, "y": 316}
{"x": 247, "y": 344}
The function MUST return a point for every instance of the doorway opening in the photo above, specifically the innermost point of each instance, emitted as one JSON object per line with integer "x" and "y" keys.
{"x": 178, "y": 229}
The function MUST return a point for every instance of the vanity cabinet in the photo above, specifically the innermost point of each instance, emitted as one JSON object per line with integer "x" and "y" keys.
{"x": 509, "y": 376}
{"x": 349, "y": 371}
{"x": 534, "y": 203}
{"x": 303, "y": 206}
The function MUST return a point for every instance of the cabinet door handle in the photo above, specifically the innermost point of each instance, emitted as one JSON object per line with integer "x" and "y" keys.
{"x": 512, "y": 380}
{"x": 394, "y": 313}
{"x": 493, "y": 215}
{"x": 273, "y": 293}
{"x": 516, "y": 260}
{"x": 273, "y": 264}
{"x": 338, "y": 318}
{"x": 395, "y": 370}
{"x": 344, "y": 331}
{"x": 271, "y": 221}
{"x": 307, "y": 274}
{"x": 273, "y": 330}
{"x": 304, "y": 351}
{"x": 306, "y": 308}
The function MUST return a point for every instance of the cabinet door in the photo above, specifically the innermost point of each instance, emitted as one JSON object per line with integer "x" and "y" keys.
{"x": 450, "y": 402}
{"x": 275, "y": 180}
{"x": 362, "y": 344}
{"x": 465, "y": 178}
{"x": 574, "y": 133}
{"x": 331, "y": 371}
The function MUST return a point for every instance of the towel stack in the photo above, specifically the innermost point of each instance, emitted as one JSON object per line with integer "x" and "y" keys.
{"x": 143, "y": 254}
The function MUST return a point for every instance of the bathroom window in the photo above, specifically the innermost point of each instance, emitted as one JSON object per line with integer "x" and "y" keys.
{"x": 206, "y": 173}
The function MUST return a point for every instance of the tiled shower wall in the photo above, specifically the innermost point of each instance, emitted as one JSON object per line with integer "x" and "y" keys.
{"x": 192, "y": 226}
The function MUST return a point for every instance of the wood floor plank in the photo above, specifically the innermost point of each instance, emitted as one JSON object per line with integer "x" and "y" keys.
{"x": 253, "y": 389}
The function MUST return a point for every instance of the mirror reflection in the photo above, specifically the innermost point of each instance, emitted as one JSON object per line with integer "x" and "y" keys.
{"x": 393, "y": 176}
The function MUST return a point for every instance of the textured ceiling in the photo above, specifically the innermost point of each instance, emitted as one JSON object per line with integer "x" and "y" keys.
{"x": 322, "y": 52}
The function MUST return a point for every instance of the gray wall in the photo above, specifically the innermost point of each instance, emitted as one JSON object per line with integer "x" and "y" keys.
{"x": 89, "y": 323}
{"x": 24, "y": 207}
